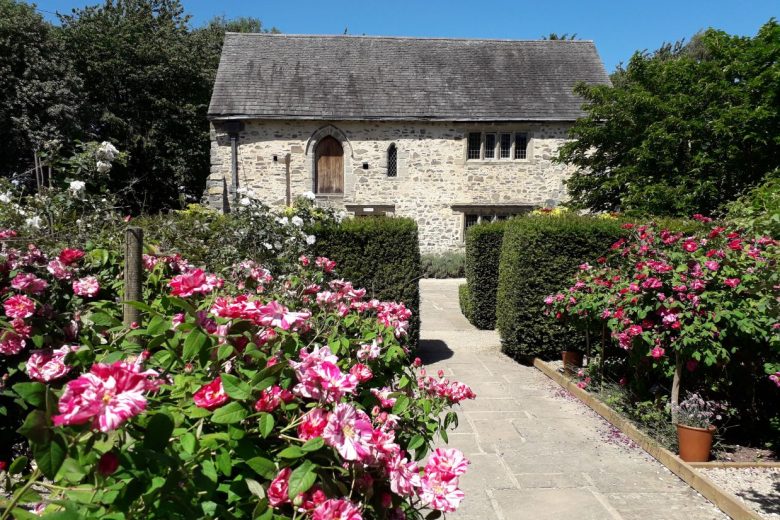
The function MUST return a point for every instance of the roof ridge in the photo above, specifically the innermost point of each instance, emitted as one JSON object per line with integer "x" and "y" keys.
{"x": 384, "y": 37}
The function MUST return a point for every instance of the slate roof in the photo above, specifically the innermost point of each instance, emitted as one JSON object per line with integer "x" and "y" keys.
{"x": 264, "y": 76}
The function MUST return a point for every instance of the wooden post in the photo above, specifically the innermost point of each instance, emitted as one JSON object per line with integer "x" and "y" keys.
{"x": 676, "y": 385}
{"x": 134, "y": 243}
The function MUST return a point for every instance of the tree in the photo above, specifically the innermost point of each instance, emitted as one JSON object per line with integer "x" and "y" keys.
{"x": 683, "y": 130}
{"x": 556, "y": 36}
{"x": 38, "y": 89}
{"x": 147, "y": 83}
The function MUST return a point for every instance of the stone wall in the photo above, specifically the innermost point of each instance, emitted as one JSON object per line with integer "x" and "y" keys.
{"x": 433, "y": 173}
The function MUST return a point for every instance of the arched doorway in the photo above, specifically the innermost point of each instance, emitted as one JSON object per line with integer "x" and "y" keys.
{"x": 329, "y": 169}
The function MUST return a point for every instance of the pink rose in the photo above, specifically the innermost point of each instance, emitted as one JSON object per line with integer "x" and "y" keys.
{"x": 87, "y": 286}
{"x": 106, "y": 397}
{"x": 19, "y": 306}
{"x": 211, "y": 396}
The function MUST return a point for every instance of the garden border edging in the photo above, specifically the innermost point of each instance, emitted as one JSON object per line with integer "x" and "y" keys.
{"x": 725, "y": 501}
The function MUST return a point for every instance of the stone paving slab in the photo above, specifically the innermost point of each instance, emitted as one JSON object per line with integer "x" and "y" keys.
{"x": 536, "y": 452}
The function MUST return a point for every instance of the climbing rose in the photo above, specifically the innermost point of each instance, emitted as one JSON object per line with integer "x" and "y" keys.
{"x": 337, "y": 509}
{"x": 59, "y": 270}
{"x": 107, "y": 396}
{"x": 195, "y": 281}
{"x": 440, "y": 493}
{"x": 277, "y": 491}
{"x": 313, "y": 424}
{"x": 11, "y": 343}
{"x": 325, "y": 264}
{"x": 45, "y": 366}
{"x": 29, "y": 283}
{"x": 690, "y": 245}
{"x": 732, "y": 282}
{"x": 211, "y": 395}
{"x": 657, "y": 352}
{"x": 87, "y": 286}
{"x": 274, "y": 314}
{"x": 349, "y": 431}
{"x": 449, "y": 463}
{"x": 361, "y": 372}
{"x": 271, "y": 398}
{"x": 19, "y": 306}
{"x": 69, "y": 256}
{"x": 404, "y": 475}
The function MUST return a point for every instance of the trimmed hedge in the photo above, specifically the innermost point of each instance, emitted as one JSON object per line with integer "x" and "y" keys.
{"x": 538, "y": 257}
{"x": 381, "y": 254}
{"x": 483, "y": 252}
{"x": 464, "y": 298}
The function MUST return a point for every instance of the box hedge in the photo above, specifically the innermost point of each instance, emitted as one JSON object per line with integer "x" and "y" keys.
{"x": 483, "y": 252}
{"x": 464, "y": 298}
{"x": 538, "y": 256}
{"x": 381, "y": 254}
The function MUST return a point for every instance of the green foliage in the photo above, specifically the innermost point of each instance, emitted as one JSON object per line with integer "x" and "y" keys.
{"x": 131, "y": 71}
{"x": 464, "y": 299}
{"x": 758, "y": 211}
{"x": 538, "y": 255}
{"x": 683, "y": 130}
{"x": 380, "y": 254}
{"x": 483, "y": 252}
{"x": 445, "y": 265}
{"x": 39, "y": 89}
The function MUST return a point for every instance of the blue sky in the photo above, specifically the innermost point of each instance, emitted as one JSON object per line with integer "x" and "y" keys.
{"x": 618, "y": 27}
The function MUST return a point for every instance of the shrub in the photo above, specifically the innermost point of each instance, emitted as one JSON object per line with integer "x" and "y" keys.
{"x": 464, "y": 297}
{"x": 381, "y": 254}
{"x": 758, "y": 211}
{"x": 538, "y": 256}
{"x": 483, "y": 252}
{"x": 702, "y": 306}
{"x": 444, "y": 265}
{"x": 230, "y": 398}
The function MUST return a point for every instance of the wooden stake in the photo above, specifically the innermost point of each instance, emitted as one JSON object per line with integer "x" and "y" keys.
{"x": 134, "y": 243}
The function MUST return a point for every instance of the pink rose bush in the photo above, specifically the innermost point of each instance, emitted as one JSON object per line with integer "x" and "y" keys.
{"x": 673, "y": 299}
{"x": 239, "y": 394}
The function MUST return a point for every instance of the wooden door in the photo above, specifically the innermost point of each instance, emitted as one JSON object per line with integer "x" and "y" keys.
{"x": 329, "y": 174}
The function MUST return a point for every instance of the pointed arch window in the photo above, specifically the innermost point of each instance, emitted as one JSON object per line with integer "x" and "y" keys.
{"x": 392, "y": 161}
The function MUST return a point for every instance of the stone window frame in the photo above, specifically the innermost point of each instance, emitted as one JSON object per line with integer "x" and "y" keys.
{"x": 391, "y": 146}
{"x": 311, "y": 150}
{"x": 512, "y": 130}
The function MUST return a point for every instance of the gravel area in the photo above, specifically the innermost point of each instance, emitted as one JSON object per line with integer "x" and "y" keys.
{"x": 759, "y": 488}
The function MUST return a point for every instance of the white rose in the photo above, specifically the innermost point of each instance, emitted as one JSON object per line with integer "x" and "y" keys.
{"x": 76, "y": 186}
{"x": 5, "y": 198}
{"x": 107, "y": 151}
{"x": 309, "y": 195}
{"x": 311, "y": 239}
{"x": 297, "y": 221}
{"x": 103, "y": 166}
{"x": 245, "y": 201}
{"x": 33, "y": 222}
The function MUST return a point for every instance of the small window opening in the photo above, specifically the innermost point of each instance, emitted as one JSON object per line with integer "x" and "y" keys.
{"x": 392, "y": 161}
{"x": 475, "y": 142}
{"x": 490, "y": 146}
{"x": 521, "y": 146}
{"x": 505, "y": 146}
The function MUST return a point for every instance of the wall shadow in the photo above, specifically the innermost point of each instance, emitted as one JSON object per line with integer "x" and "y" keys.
{"x": 433, "y": 350}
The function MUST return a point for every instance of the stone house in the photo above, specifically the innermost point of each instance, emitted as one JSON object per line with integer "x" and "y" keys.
{"x": 447, "y": 131}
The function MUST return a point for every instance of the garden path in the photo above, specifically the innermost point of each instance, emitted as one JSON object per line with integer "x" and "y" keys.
{"x": 537, "y": 453}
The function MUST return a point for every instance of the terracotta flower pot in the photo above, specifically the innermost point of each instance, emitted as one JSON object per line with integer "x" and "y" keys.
{"x": 695, "y": 443}
{"x": 572, "y": 361}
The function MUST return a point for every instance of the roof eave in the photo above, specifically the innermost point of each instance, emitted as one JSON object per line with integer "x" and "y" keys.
{"x": 277, "y": 117}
